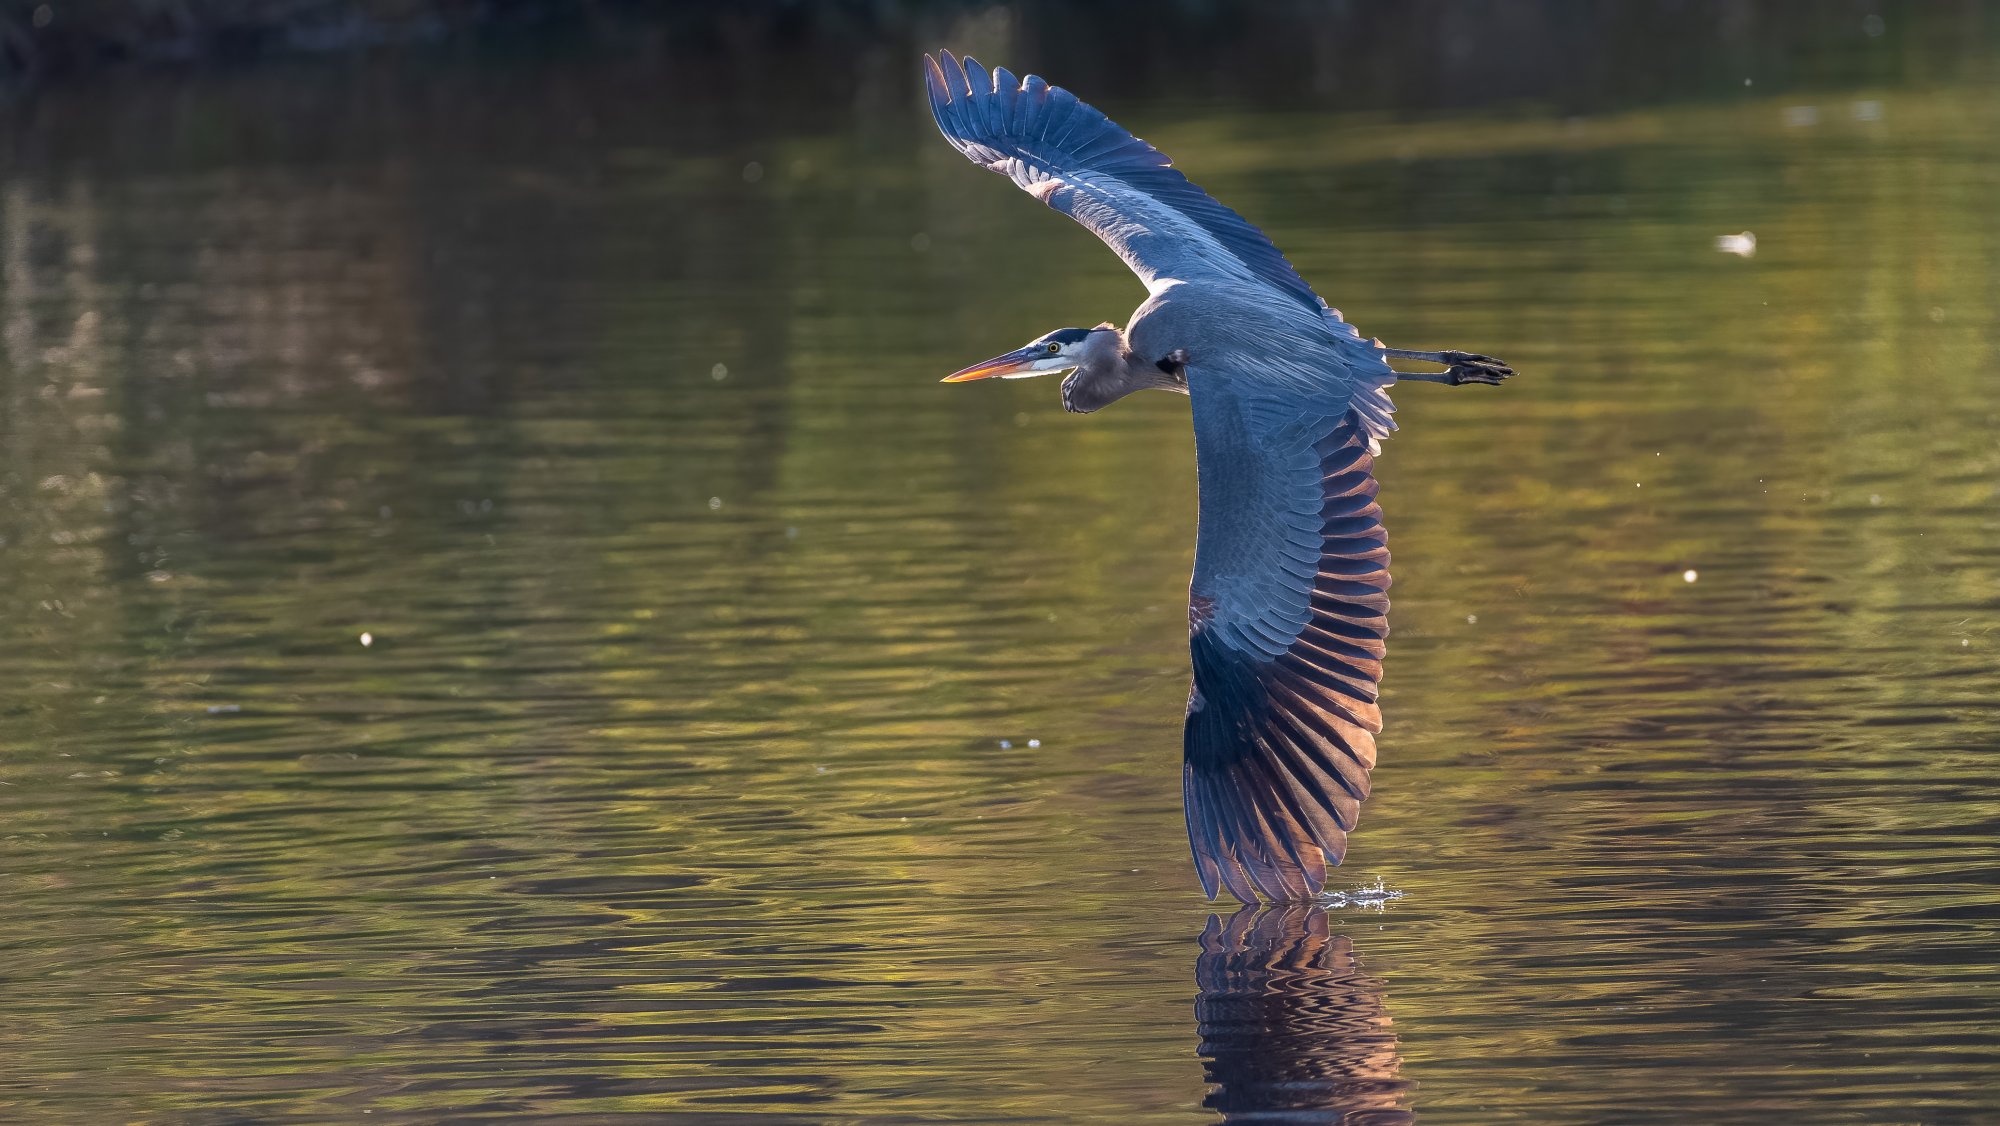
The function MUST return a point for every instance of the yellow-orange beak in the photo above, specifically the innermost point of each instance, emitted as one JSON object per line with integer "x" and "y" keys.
{"x": 1018, "y": 364}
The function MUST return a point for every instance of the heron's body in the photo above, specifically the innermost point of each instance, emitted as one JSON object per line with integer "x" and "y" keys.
{"x": 1287, "y": 606}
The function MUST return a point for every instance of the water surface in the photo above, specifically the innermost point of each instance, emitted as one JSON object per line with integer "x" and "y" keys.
{"x": 498, "y": 621}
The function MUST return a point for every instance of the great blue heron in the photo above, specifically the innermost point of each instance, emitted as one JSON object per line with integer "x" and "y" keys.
{"x": 1287, "y": 610}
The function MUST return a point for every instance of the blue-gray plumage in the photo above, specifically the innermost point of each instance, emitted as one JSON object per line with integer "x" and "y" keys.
{"x": 1287, "y": 607}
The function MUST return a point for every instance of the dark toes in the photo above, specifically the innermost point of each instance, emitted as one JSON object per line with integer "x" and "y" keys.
{"x": 1478, "y": 369}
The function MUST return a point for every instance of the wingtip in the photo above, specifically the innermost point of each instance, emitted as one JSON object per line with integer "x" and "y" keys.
{"x": 934, "y": 81}
{"x": 954, "y": 74}
{"x": 977, "y": 80}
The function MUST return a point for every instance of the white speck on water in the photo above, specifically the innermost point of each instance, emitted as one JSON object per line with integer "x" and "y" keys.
{"x": 753, "y": 172}
{"x": 224, "y": 709}
{"x": 1964, "y": 643}
{"x": 1872, "y": 26}
{"x": 1472, "y": 619}
{"x": 1937, "y": 314}
{"x": 792, "y": 532}
{"x": 819, "y": 770}
{"x": 1006, "y": 745}
{"x": 1746, "y": 82}
{"x": 367, "y": 639}
{"x": 1874, "y": 498}
{"x": 1034, "y": 742}
{"x": 714, "y": 503}
{"x": 1690, "y": 575}
{"x": 719, "y": 372}
{"x": 1868, "y": 111}
{"x": 1743, "y": 244}
{"x": 1799, "y": 117}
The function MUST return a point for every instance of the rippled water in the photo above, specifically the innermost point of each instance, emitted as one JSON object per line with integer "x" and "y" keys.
{"x": 501, "y": 622}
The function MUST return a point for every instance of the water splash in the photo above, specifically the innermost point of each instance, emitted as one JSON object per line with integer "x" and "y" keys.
{"x": 1376, "y": 896}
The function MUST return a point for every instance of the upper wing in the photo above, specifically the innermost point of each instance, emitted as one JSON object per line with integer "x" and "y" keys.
{"x": 1287, "y": 611}
{"x": 1127, "y": 192}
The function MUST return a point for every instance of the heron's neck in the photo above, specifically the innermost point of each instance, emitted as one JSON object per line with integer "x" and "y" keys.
{"x": 1110, "y": 370}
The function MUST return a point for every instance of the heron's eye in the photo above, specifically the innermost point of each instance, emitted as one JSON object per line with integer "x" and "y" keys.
{"x": 1054, "y": 347}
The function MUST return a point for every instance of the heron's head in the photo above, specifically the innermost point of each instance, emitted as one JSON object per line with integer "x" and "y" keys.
{"x": 1061, "y": 350}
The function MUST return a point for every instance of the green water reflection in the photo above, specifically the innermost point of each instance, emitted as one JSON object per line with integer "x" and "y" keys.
{"x": 750, "y": 728}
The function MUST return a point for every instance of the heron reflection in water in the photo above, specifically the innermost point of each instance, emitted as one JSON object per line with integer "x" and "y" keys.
{"x": 1287, "y": 608}
{"x": 1292, "y": 1030}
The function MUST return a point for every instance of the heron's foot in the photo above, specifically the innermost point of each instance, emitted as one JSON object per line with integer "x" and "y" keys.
{"x": 1465, "y": 367}
{"x": 1462, "y": 367}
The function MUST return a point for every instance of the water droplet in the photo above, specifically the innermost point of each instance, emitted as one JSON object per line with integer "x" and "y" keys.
{"x": 1743, "y": 244}
{"x": 1034, "y": 742}
{"x": 1472, "y": 619}
{"x": 719, "y": 372}
{"x": 753, "y": 172}
{"x": 1690, "y": 575}
{"x": 1006, "y": 745}
{"x": 367, "y": 639}
{"x": 714, "y": 503}
{"x": 1872, "y": 26}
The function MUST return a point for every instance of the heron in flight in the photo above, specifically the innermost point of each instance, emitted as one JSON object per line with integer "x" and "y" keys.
{"x": 1287, "y": 608}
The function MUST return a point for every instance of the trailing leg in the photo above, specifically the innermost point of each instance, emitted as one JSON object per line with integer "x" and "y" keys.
{"x": 1461, "y": 367}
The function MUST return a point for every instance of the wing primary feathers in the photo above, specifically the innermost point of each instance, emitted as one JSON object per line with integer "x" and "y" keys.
{"x": 1280, "y": 729}
{"x": 1127, "y": 192}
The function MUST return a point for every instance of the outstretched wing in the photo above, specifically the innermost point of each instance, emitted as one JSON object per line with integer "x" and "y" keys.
{"x": 1287, "y": 614}
{"x": 1127, "y": 192}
